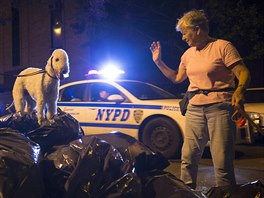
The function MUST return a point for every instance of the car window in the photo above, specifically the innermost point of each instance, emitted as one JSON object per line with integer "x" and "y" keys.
{"x": 254, "y": 96}
{"x": 145, "y": 91}
{"x": 74, "y": 93}
{"x": 100, "y": 91}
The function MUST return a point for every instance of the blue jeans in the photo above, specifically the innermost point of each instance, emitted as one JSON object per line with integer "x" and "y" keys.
{"x": 203, "y": 123}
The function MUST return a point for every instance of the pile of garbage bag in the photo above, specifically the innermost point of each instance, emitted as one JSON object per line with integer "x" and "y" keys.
{"x": 57, "y": 160}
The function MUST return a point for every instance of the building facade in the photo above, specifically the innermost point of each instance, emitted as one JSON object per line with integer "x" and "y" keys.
{"x": 31, "y": 29}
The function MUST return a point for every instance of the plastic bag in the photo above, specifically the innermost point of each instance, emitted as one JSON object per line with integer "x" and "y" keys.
{"x": 248, "y": 190}
{"x": 161, "y": 184}
{"x": 139, "y": 157}
{"x": 22, "y": 123}
{"x": 20, "y": 170}
{"x": 61, "y": 131}
{"x": 127, "y": 186}
{"x": 84, "y": 168}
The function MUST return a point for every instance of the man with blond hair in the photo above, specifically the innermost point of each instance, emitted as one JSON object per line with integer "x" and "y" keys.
{"x": 211, "y": 66}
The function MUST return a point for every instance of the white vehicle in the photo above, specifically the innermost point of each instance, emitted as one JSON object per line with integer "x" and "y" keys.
{"x": 254, "y": 107}
{"x": 141, "y": 110}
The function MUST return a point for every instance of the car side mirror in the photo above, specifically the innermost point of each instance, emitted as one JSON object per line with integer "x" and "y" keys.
{"x": 116, "y": 98}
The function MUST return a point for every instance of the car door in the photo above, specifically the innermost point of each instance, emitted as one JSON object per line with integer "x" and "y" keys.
{"x": 73, "y": 99}
{"x": 107, "y": 115}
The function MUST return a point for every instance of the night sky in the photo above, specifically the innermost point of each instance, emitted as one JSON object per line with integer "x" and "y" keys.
{"x": 128, "y": 30}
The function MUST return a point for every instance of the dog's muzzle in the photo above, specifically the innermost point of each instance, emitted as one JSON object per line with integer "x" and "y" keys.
{"x": 64, "y": 74}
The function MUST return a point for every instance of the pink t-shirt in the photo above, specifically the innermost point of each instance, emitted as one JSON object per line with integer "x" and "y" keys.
{"x": 208, "y": 69}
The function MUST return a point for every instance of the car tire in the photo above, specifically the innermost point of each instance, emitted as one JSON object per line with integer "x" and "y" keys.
{"x": 163, "y": 135}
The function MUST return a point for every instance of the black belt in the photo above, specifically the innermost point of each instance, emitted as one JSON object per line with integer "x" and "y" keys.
{"x": 206, "y": 91}
{"x": 189, "y": 94}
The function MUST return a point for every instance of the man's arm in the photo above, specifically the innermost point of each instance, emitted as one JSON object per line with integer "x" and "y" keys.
{"x": 242, "y": 74}
{"x": 174, "y": 76}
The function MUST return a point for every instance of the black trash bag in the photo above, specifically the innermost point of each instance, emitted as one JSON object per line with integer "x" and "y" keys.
{"x": 147, "y": 162}
{"x": 85, "y": 167}
{"x": 139, "y": 156}
{"x": 58, "y": 166}
{"x": 20, "y": 170}
{"x": 2, "y": 109}
{"x": 249, "y": 190}
{"x": 23, "y": 123}
{"x": 5, "y": 121}
{"x": 160, "y": 184}
{"x": 61, "y": 131}
{"x": 127, "y": 186}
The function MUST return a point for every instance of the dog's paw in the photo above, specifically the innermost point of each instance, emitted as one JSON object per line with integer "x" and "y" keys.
{"x": 44, "y": 122}
{"x": 41, "y": 122}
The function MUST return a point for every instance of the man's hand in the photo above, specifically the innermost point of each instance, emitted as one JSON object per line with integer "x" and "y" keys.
{"x": 155, "y": 48}
{"x": 238, "y": 97}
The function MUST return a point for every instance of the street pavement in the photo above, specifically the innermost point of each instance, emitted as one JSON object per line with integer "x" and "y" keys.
{"x": 249, "y": 167}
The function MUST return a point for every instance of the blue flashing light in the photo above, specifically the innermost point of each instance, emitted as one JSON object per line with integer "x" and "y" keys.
{"x": 110, "y": 71}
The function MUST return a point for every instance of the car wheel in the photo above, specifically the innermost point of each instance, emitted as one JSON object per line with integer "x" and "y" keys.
{"x": 163, "y": 135}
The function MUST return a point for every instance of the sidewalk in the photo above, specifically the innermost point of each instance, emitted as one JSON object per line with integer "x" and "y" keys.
{"x": 249, "y": 167}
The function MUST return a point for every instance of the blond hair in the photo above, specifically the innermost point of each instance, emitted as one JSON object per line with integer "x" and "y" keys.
{"x": 192, "y": 19}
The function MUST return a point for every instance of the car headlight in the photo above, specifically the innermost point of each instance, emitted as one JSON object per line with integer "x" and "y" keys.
{"x": 255, "y": 117}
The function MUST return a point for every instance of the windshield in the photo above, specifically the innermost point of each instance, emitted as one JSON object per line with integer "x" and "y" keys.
{"x": 144, "y": 91}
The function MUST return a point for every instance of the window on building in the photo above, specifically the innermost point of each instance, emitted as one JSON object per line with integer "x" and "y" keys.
{"x": 56, "y": 24}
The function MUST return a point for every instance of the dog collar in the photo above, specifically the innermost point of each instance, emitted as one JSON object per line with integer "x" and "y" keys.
{"x": 51, "y": 65}
{"x": 51, "y": 76}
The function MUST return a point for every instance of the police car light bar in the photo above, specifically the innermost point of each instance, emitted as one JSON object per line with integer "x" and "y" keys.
{"x": 109, "y": 72}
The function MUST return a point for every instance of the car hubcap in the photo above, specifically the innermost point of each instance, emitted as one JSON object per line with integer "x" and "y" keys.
{"x": 160, "y": 138}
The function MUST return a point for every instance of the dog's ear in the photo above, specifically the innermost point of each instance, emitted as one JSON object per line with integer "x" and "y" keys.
{"x": 49, "y": 62}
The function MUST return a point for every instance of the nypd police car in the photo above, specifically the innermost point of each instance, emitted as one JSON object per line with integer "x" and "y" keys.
{"x": 139, "y": 109}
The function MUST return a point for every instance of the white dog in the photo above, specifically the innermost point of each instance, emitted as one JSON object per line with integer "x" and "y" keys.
{"x": 40, "y": 88}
